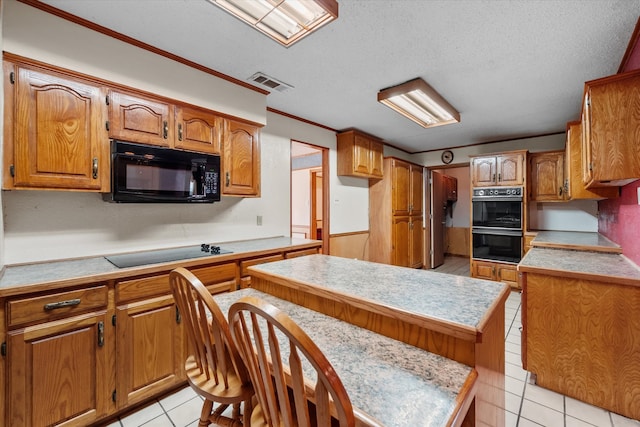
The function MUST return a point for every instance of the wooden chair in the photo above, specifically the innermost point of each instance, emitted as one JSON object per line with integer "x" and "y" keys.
{"x": 283, "y": 393}
{"x": 214, "y": 370}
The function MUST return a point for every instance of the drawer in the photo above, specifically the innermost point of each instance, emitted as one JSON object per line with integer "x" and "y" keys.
{"x": 55, "y": 306}
{"x": 216, "y": 273}
{"x": 250, "y": 262}
{"x": 144, "y": 287}
{"x": 302, "y": 252}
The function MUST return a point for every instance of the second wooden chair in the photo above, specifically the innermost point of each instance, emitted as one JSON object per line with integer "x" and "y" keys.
{"x": 275, "y": 350}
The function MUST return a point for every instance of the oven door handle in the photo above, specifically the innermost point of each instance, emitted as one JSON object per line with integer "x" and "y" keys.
{"x": 496, "y": 231}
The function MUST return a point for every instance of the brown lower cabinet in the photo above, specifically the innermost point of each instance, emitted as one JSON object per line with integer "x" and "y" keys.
{"x": 77, "y": 354}
{"x": 580, "y": 338}
{"x": 497, "y": 271}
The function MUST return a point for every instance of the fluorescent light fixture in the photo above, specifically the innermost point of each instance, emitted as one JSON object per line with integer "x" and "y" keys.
{"x": 418, "y": 101}
{"x": 285, "y": 21}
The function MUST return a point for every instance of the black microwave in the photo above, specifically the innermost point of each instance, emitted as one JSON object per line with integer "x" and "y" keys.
{"x": 146, "y": 174}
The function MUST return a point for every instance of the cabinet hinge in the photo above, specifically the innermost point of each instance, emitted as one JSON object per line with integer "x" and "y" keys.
{"x": 106, "y": 99}
{"x": 106, "y": 125}
{"x": 113, "y": 396}
{"x": 12, "y": 77}
{"x": 12, "y": 171}
{"x": 590, "y": 166}
{"x": 113, "y": 320}
{"x": 3, "y": 348}
{"x": 178, "y": 316}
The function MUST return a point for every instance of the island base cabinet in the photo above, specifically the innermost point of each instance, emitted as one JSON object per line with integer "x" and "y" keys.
{"x": 60, "y": 373}
{"x": 580, "y": 338}
{"x": 151, "y": 349}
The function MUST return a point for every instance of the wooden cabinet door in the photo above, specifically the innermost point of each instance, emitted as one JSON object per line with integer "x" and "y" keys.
{"x": 483, "y": 270}
{"x": 547, "y": 176}
{"x": 150, "y": 347}
{"x": 361, "y": 155}
{"x": 611, "y": 126}
{"x": 376, "y": 159}
{"x": 483, "y": 171}
{"x": 416, "y": 190}
{"x": 574, "y": 185}
{"x": 508, "y": 274}
{"x": 510, "y": 169}
{"x": 198, "y": 130}
{"x": 401, "y": 187}
{"x": 59, "y": 372}
{"x": 400, "y": 237}
{"x": 416, "y": 244}
{"x": 241, "y": 165}
{"x": 59, "y": 135}
{"x": 136, "y": 118}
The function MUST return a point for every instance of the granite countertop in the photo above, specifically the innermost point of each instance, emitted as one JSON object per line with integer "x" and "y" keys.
{"x": 575, "y": 240}
{"x": 397, "y": 384}
{"x": 613, "y": 268}
{"x": 94, "y": 269}
{"x": 448, "y": 299}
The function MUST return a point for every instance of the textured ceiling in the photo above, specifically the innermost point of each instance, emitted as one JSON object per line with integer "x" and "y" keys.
{"x": 511, "y": 68}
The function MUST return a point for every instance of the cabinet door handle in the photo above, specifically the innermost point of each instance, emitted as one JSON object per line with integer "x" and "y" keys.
{"x": 178, "y": 316}
{"x": 61, "y": 304}
{"x": 494, "y": 177}
{"x": 165, "y": 129}
{"x": 227, "y": 179}
{"x": 100, "y": 334}
{"x": 94, "y": 168}
{"x": 180, "y": 132}
{"x": 560, "y": 191}
{"x": 499, "y": 177}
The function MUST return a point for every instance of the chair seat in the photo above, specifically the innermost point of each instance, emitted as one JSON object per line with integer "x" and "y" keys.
{"x": 217, "y": 392}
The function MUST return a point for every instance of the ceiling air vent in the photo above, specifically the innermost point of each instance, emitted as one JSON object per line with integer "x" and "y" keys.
{"x": 269, "y": 82}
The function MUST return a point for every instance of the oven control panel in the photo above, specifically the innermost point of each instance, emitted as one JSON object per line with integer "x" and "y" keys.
{"x": 514, "y": 192}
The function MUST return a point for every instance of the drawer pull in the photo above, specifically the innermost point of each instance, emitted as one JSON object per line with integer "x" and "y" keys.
{"x": 61, "y": 304}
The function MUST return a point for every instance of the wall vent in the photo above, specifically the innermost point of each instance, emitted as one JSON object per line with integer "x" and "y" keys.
{"x": 269, "y": 82}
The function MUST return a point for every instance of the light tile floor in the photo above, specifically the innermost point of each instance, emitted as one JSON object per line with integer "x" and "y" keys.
{"x": 527, "y": 405}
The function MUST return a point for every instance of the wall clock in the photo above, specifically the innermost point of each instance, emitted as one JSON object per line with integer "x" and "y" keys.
{"x": 447, "y": 157}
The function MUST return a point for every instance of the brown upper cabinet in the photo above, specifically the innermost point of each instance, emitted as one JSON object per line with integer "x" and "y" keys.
{"x": 610, "y": 129}
{"x": 574, "y": 185}
{"x": 141, "y": 119}
{"x": 360, "y": 155}
{"x": 54, "y": 131}
{"x": 58, "y": 124}
{"x": 546, "y": 171}
{"x": 147, "y": 120}
{"x": 498, "y": 169}
{"x": 198, "y": 130}
{"x": 241, "y": 162}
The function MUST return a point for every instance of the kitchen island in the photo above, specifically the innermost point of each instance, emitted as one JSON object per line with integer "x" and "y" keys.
{"x": 459, "y": 318}
{"x": 389, "y": 383}
{"x": 581, "y": 329}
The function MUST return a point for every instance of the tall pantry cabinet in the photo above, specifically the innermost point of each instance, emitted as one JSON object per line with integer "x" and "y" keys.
{"x": 395, "y": 215}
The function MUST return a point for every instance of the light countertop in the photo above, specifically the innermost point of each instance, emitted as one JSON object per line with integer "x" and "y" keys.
{"x": 575, "y": 240}
{"x": 93, "y": 269}
{"x": 425, "y": 294}
{"x": 397, "y": 384}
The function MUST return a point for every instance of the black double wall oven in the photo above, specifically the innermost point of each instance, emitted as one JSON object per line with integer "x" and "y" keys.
{"x": 497, "y": 223}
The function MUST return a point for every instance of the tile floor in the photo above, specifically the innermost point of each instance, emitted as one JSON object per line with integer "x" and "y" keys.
{"x": 527, "y": 405}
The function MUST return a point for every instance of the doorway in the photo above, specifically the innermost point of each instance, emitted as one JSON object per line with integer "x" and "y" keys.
{"x": 448, "y": 218}
{"x": 310, "y": 193}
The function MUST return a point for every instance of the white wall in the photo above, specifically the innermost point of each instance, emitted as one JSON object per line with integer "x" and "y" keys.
{"x": 47, "y": 225}
{"x": 300, "y": 197}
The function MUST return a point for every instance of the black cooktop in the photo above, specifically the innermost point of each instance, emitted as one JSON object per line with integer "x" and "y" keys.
{"x": 165, "y": 255}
